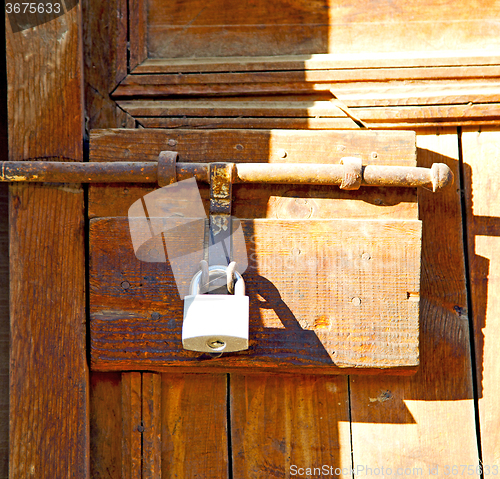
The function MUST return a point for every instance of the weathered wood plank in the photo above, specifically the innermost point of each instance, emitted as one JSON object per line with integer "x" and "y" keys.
{"x": 105, "y": 425}
{"x": 319, "y": 61}
{"x": 481, "y": 173}
{"x": 254, "y": 146}
{"x": 301, "y": 115}
{"x": 277, "y": 201}
{"x": 280, "y": 423}
{"x": 4, "y": 320}
{"x": 194, "y": 426}
{"x": 145, "y": 88}
{"x": 4, "y": 277}
{"x": 132, "y": 427}
{"x": 311, "y": 77}
{"x": 426, "y": 121}
{"x": 48, "y": 376}
{"x": 306, "y": 108}
{"x": 137, "y": 27}
{"x": 405, "y": 422}
{"x": 104, "y": 35}
{"x": 360, "y": 94}
{"x": 190, "y": 29}
{"x": 218, "y": 108}
{"x": 151, "y": 421}
{"x": 138, "y": 326}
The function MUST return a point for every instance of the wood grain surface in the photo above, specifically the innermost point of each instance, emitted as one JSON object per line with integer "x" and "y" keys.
{"x": 416, "y": 118}
{"x": 280, "y": 423}
{"x": 320, "y": 61}
{"x": 151, "y": 422}
{"x": 137, "y": 32}
{"x": 104, "y": 36}
{"x": 406, "y": 423}
{"x": 481, "y": 175}
{"x": 132, "y": 426}
{"x": 237, "y": 425}
{"x": 255, "y": 146}
{"x": 398, "y": 111}
{"x": 194, "y": 426}
{"x": 442, "y": 77}
{"x": 4, "y": 326}
{"x": 343, "y": 270}
{"x": 106, "y": 416}
{"x": 4, "y": 273}
{"x": 286, "y": 27}
{"x": 48, "y": 368}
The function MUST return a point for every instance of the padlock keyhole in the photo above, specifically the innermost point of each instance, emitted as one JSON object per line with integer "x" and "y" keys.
{"x": 216, "y": 344}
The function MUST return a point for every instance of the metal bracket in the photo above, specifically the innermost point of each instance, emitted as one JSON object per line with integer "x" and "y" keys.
{"x": 221, "y": 186}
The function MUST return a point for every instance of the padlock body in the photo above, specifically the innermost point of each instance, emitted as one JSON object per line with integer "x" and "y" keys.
{"x": 211, "y": 320}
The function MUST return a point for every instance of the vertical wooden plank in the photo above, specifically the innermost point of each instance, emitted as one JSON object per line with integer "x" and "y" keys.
{"x": 4, "y": 272}
{"x": 137, "y": 32}
{"x": 283, "y": 424}
{"x": 105, "y": 61}
{"x": 4, "y": 327}
{"x": 194, "y": 426}
{"x": 105, "y": 426}
{"x": 48, "y": 370}
{"x": 151, "y": 421}
{"x": 105, "y": 30}
{"x": 482, "y": 193}
{"x": 132, "y": 427}
{"x": 408, "y": 423}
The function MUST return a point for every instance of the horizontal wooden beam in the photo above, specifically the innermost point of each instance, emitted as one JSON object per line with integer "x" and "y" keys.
{"x": 319, "y": 61}
{"x": 351, "y": 304}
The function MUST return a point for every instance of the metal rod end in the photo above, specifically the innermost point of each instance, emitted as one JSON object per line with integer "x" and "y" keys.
{"x": 441, "y": 176}
{"x": 353, "y": 173}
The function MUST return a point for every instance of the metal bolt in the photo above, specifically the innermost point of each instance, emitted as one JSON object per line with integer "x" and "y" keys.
{"x": 341, "y": 148}
{"x": 172, "y": 142}
{"x": 295, "y": 251}
{"x": 140, "y": 428}
{"x": 366, "y": 256}
{"x": 374, "y": 154}
{"x": 155, "y": 316}
{"x": 356, "y": 301}
{"x": 125, "y": 285}
{"x": 239, "y": 147}
{"x": 282, "y": 153}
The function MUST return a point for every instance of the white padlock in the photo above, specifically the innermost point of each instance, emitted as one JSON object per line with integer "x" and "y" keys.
{"x": 215, "y": 323}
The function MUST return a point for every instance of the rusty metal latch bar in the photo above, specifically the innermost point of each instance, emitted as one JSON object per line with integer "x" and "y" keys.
{"x": 350, "y": 174}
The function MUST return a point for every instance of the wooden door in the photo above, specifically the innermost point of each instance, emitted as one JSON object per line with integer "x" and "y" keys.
{"x": 65, "y": 422}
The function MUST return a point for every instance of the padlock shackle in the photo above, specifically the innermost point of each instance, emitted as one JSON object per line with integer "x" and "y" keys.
{"x": 195, "y": 286}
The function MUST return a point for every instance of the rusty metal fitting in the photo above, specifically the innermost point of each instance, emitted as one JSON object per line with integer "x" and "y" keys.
{"x": 167, "y": 168}
{"x": 221, "y": 181}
